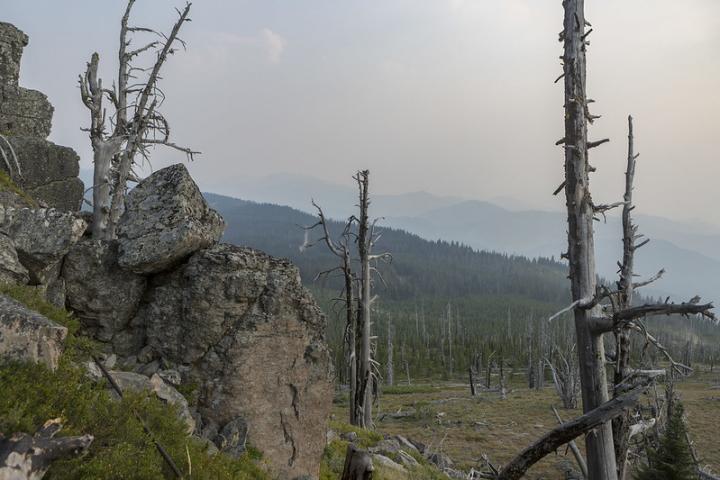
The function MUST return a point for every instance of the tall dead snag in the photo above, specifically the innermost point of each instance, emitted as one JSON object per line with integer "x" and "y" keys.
{"x": 358, "y": 297}
{"x": 341, "y": 249}
{"x": 366, "y": 238}
{"x": 580, "y": 254}
{"x": 621, "y": 424}
{"x": 136, "y": 123}
{"x": 390, "y": 367}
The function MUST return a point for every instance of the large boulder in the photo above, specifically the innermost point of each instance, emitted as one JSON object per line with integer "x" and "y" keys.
{"x": 28, "y": 336}
{"x": 104, "y": 297}
{"x": 239, "y": 323}
{"x": 42, "y": 237}
{"x": 11, "y": 270}
{"x": 166, "y": 219}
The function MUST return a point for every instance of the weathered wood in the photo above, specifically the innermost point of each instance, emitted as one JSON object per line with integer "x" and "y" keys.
{"x": 115, "y": 140}
{"x": 25, "y": 457}
{"x": 358, "y": 464}
{"x": 582, "y": 465}
{"x": 580, "y": 254}
{"x": 473, "y": 392}
{"x": 566, "y": 432}
{"x": 364, "y": 242}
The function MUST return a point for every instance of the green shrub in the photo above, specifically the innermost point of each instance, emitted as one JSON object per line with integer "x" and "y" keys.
{"x": 32, "y": 394}
{"x": 671, "y": 460}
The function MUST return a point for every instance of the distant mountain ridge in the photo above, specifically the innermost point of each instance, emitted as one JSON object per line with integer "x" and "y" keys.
{"x": 689, "y": 252}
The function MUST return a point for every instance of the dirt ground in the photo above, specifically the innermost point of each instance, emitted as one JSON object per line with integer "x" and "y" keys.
{"x": 449, "y": 419}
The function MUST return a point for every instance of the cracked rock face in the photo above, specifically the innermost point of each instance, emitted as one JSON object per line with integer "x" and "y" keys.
{"x": 166, "y": 219}
{"x": 49, "y": 172}
{"x": 104, "y": 297}
{"x": 239, "y": 323}
{"x": 11, "y": 270}
{"x": 41, "y": 237}
{"x": 28, "y": 336}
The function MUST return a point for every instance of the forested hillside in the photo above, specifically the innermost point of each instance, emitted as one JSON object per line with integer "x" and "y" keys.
{"x": 445, "y": 303}
{"x": 420, "y": 268}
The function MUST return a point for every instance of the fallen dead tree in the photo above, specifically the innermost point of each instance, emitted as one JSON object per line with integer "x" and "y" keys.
{"x": 29, "y": 457}
{"x": 563, "y": 434}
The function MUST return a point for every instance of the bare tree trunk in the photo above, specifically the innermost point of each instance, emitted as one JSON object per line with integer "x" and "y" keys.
{"x": 503, "y": 393}
{"x": 489, "y": 371}
{"x": 472, "y": 381}
{"x": 350, "y": 319}
{"x": 390, "y": 372}
{"x": 581, "y": 256}
{"x": 364, "y": 392}
{"x": 621, "y": 424}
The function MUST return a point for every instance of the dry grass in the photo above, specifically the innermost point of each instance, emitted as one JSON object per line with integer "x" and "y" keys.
{"x": 464, "y": 427}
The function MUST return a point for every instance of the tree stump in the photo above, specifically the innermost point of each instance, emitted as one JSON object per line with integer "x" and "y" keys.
{"x": 358, "y": 465}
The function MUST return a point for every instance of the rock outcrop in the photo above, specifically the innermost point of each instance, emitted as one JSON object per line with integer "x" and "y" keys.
{"x": 28, "y": 336}
{"x": 49, "y": 173}
{"x": 232, "y": 317}
{"x": 166, "y": 299}
{"x": 11, "y": 270}
{"x": 90, "y": 271}
{"x": 41, "y": 237}
{"x": 166, "y": 219}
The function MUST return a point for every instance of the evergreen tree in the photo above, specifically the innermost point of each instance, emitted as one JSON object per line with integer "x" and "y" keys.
{"x": 672, "y": 459}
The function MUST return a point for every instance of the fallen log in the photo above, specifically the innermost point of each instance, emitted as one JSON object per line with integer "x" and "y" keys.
{"x": 562, "y": 434}
{"x": 25, "y": 457}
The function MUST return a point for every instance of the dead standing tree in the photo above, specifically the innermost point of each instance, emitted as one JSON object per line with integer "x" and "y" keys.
{"x": 357, "y": 297}
{"x": 580, "y": 254}
{"x": 341, "y": 249}
{"x": 136, "y": 123}
{"x": 366, "y": 239}
{"x": 597, "y": 311}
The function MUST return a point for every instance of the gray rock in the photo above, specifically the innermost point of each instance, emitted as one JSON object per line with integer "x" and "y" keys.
{"x": 385, "y": 462}
{"x": 407, "y": 460}
{"x": 440, "y": 460}
{"x": 11, "y": 270}
{"x": 49, "y": 172}
{"x": 54, "y": 291}
{"x": 25, "y": 112}
{"x": 239, "y": 324}
{"x": 104, "y": 297}
{"x": 12, "y": 43}
{"x": 171, "y": 376}
{"x": 166, "y": 219}
{"x": 28, "y": 336}
{"x": 149, "y": 369}
{"x": 135, "y": 382}
{"x": 168, "y": 394}
{"x": 42, "y": 237}
{"x": 232, "y": 437}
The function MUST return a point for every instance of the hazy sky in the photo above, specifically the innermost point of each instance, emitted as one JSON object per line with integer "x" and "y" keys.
{"x": 448, "y": 96}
